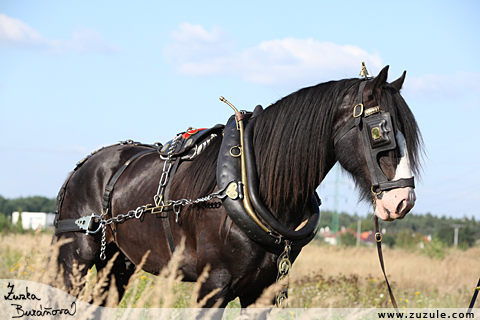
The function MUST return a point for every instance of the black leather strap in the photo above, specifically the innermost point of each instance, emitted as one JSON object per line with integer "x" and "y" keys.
{"x": 400, "y": 183}
{"x": 166, "y": 219}
{"x": 378, "y": 239}
{"x": 346, "y": 128}
{"x": 359, "y": 114}
{"x": 474, "y": 298}
{"x": 66, "y": 225}
{"x": 69, "y": 225}
{"x": 356, "y": 116}
{"x": 107, "y": 195}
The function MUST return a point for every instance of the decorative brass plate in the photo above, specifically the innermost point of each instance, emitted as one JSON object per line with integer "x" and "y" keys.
{"x": 376, "y": 133}
{"x": 232, "y": 191}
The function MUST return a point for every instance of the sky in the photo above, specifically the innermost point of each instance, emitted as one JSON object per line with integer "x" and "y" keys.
{"x": 79, "y": 75}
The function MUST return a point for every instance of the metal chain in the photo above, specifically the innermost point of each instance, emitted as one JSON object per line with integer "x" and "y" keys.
{"x": 158, "y": 198}
{"x": 284, "y": 265}
{"x": 160, "y": 203}
{"x": 103, "y": 243}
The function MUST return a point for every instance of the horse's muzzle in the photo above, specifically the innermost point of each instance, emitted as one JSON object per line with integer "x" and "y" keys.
{"x": 395, "y": 203}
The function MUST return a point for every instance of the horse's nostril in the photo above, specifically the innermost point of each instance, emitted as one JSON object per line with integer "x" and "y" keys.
{"x": 401, "y": 206}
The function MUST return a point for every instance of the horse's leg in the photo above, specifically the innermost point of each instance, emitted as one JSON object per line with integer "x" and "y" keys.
{"x": 122, "y": 269}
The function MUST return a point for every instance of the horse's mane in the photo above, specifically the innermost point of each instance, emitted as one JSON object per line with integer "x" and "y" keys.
{"x": 296, "y": 138}
{"x": 294, "y": 147}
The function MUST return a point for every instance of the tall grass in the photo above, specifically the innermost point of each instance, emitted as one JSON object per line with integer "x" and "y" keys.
{"x": 322, "y": 277}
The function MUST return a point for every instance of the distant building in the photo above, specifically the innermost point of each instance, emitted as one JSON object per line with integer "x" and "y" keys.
{"x": 366, "y": 237}
{"x": 31, "y": 220}
{"x": 332, "y": 238}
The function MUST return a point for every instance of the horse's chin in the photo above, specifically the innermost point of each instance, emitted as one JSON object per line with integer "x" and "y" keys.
{"x": 395, "y": 204}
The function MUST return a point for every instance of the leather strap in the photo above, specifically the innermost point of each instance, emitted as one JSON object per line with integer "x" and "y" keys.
{"x": 357, "y": 116}
{"x": 69, "y": 225}
{"x": 378, "y": 239}
{"x": 107, "y": 195}
{"x": 400, "y": 183}
{"x": 474, "y": 298}
{"x": 66, "y": 225}
{"x": 166, "y": 219}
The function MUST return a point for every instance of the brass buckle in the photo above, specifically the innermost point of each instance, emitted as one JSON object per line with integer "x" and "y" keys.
{"x": 378, "y": 237}
{"x": 355, "y": 114}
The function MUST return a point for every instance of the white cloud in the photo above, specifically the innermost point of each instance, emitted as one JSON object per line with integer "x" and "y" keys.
{"x": 16, "y": 34}
{"x": 283, "y": 62}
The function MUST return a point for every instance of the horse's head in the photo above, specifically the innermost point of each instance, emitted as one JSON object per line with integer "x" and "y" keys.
{"x": 377, "y": 140}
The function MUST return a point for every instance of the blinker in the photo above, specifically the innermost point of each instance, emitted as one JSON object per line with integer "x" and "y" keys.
{"x": 380, "y": 127}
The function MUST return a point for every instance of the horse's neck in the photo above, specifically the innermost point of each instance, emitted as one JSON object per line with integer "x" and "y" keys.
{"x": 287, "y": 206}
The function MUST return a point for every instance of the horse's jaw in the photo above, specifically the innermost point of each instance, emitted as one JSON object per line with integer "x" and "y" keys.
{"x": 395, "y": 204}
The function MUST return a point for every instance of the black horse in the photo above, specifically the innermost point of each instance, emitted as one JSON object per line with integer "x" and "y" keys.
{"x": 295, "y": 143}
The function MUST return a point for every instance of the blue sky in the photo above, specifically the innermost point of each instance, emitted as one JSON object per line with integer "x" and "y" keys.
{"x": 78, "y": 75}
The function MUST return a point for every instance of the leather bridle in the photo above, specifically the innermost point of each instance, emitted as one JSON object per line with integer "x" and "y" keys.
{"x": 378, "y": 135}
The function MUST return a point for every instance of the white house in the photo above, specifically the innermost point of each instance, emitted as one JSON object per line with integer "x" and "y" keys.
{"x": 31, "y": 220}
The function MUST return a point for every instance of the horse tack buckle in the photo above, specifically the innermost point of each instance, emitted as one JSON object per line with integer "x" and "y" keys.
{"x": 84, "y": 223}
{"x": 160, "y": 205}
{"x": 358, "y": 114}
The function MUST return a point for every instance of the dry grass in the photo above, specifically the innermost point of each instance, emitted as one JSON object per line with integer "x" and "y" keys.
{"x": 459, "y": 269}
{"x": 322, "y": 276}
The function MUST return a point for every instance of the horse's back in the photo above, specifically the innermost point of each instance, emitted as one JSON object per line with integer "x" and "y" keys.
{"x": 86, "y": 186}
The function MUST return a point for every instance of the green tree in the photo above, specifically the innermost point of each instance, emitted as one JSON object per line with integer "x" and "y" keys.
{"x": 5, "y": 224}
{"x": 388, "y": 239}
{"x": 347, "y": 239}
{"x": 408, "y": 239}
{"x": 19, "y": 226}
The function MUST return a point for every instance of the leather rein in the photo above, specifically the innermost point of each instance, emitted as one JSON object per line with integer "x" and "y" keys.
{"x": 378, "y": 135}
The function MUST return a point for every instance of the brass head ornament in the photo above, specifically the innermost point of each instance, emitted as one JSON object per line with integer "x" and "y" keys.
{"x": 364, "y": 72}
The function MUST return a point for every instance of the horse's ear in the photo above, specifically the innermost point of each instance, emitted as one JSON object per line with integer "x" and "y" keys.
{"x": 380, "y": 79}
{"x": 397, "y": 84}
{"x": 374, "y": 88}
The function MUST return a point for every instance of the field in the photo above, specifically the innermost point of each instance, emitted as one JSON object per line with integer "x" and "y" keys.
{"x": 323, "y": 276}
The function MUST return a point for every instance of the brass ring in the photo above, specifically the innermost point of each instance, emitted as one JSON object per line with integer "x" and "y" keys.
{"x": 378, "y": 237}
{"x": 376, "y": 193}
{"x": 239, "y": 151}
